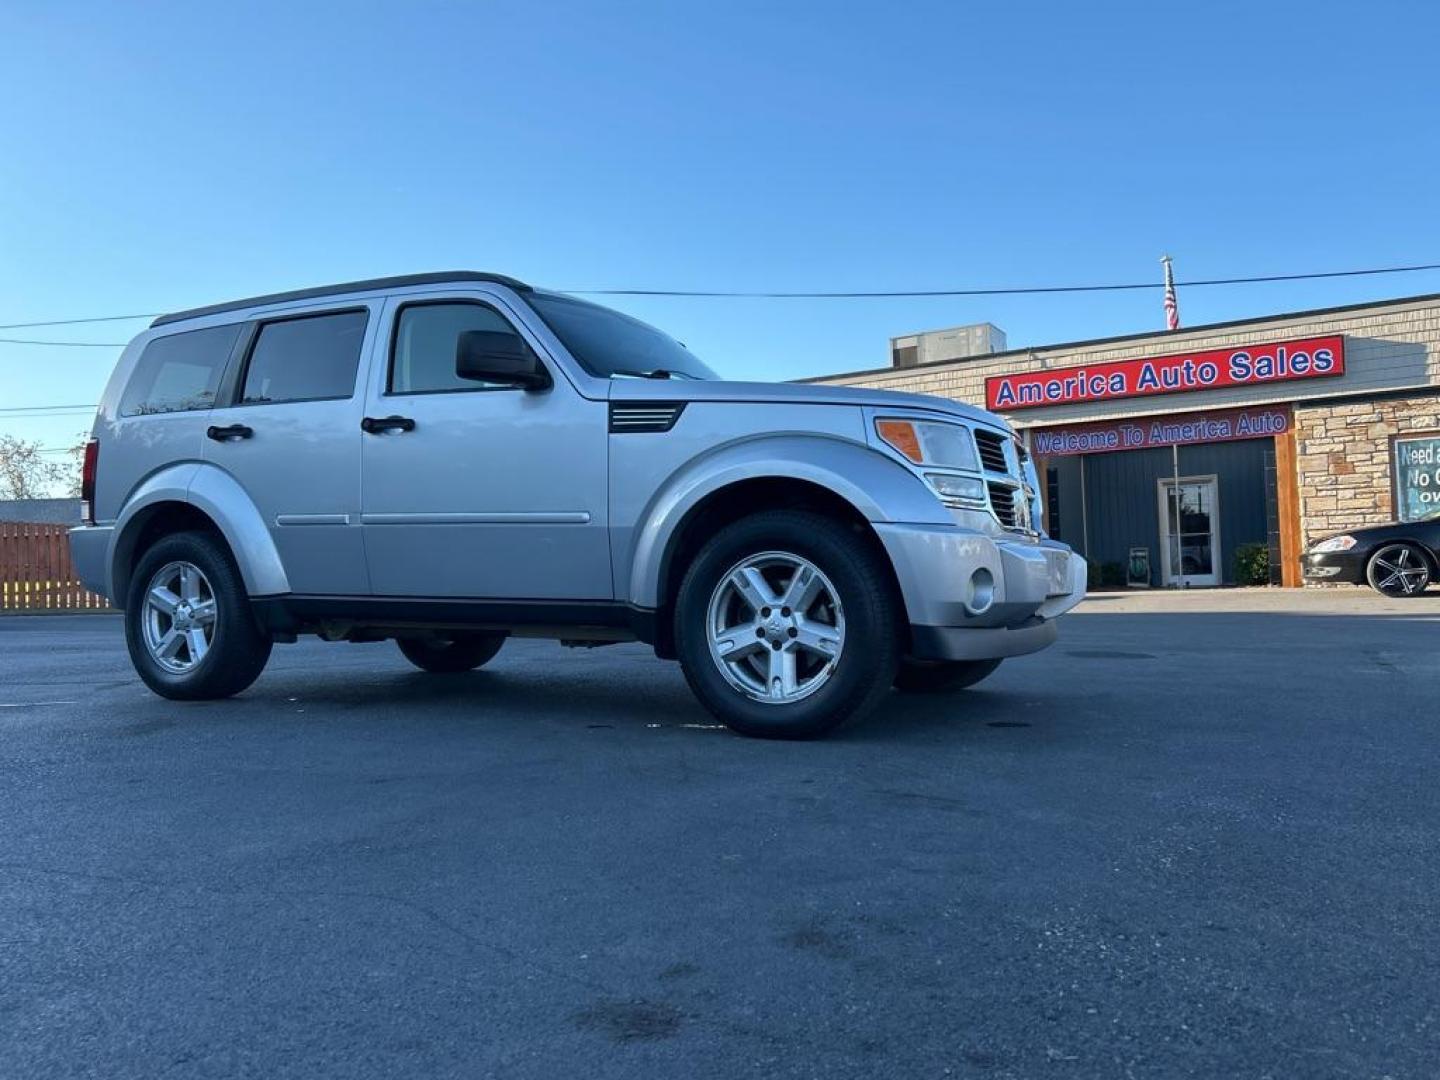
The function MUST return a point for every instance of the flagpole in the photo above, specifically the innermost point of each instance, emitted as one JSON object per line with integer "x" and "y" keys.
{"x": 1172, "y": 322}
{"x": 1172, "y": 306}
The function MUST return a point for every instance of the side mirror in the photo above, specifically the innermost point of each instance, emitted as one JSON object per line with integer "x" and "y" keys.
{"x": 499, "y": 357}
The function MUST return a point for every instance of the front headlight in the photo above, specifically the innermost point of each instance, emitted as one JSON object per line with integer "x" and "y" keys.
{"x": 949, "y": 446}
{"x": 1335, "y": 543}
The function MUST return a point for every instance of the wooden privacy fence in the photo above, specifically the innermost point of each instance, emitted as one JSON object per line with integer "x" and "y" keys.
{"x": 36, "y": 573}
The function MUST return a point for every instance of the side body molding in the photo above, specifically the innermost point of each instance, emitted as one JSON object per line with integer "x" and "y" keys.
{"x": 222, "y": 498}
{"x": 880, "y": 489}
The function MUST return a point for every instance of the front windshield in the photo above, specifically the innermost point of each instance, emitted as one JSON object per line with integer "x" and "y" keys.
{"x": 609, "y": 345}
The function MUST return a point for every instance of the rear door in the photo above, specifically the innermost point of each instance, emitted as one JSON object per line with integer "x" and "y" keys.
{"x": 290, "y": 434}
{"x": 475, "y": 490}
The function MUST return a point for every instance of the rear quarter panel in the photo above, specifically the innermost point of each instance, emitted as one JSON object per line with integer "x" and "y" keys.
{"x": 134, "y": 448}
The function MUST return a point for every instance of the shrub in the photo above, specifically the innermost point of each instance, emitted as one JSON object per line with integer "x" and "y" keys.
{"x": 1109, "y": 575}
{"x": 1252, "y": 564}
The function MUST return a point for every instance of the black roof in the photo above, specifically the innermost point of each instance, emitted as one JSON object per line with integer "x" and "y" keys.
{"x": 441, "y": 277}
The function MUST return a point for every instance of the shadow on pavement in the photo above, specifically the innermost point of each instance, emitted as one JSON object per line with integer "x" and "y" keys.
{"x": 1161, "y": 668}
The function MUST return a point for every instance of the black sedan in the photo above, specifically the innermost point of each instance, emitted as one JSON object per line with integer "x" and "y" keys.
{"x": 1398, "y": 559}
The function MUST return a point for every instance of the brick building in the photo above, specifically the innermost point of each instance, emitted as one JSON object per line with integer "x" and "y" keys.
{"x": 1177, "y": 449}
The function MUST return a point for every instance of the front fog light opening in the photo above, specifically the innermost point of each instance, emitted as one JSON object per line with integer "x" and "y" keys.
{"x": 966, "y": 490}
{"x": 981, "y": 592}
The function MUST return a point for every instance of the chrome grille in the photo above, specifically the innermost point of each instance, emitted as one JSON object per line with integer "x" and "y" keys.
{"x": 992, "y": 451}
{"x": 1003, "y": 503}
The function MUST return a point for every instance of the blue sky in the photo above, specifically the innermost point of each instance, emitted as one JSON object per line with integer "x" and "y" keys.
{"x": 160, "y": 156}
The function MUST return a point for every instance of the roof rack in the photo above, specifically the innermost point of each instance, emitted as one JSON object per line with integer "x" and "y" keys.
{"x": 441, "y": 277}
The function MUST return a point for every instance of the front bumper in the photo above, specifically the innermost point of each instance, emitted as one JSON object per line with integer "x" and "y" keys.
{"x": 971, "y": 596}
{"x": 1343, "y": 566}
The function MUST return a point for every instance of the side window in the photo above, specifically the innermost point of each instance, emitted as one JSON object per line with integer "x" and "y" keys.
{"x": 426, "y": 335}
{"x": 179, "y": 373}
{"x": 305, "y": 359}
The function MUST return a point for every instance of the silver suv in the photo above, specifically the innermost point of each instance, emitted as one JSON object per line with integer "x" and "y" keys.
{"x": 451, "y": 459}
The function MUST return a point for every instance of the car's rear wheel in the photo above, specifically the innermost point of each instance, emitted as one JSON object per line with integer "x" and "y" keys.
{"x": 1399, "y": 570}
{"x": 453, "y": 654}
{"x": 786, "y": 625}
{"x": 941, "y": 676}
{"x": 188, "y": 623}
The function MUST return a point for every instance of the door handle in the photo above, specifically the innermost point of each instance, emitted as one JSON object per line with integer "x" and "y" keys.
{"x": 226, "y": 434}
{"x": 372, "y": 425}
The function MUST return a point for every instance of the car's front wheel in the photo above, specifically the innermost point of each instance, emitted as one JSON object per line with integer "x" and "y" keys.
{"x": 188, "y": 623}
{"x": 1398, "y": 570}
{"x": 786, "y": 625}
{"x": 451, "y": 655}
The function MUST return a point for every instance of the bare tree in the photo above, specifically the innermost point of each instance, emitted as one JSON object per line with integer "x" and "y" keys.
{"x": 73, "y": 470}
{"x": 25, "y": 472}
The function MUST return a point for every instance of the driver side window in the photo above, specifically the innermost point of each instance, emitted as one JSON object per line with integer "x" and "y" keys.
{"x": 422, "y": 358}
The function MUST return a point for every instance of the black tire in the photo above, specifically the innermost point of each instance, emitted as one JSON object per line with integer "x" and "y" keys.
{"x": 942, "y": 676}
{"x": 238, "y": 649}
{"x": 451, "y": 655}
{"x": 1399, "y": 569}
{"x": 861, "y": 674}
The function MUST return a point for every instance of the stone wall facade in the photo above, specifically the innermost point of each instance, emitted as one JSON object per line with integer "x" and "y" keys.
{"x": 1344, "y": 457}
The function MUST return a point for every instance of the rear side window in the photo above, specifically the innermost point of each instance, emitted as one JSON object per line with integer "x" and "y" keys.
{"x": 426, "y": 336}
{"x": 306, "y": 359}
{"x": 180, "y": 372}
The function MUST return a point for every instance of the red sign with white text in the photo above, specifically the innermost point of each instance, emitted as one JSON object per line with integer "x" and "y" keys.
{"x": 1176, "y": 429}
{"x": 1243, "y": 365}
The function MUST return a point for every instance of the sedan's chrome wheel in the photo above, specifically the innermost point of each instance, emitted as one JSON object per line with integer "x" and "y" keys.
{"x": 179, "y": 617}
{"x": 775, "y": 627}
{"x": 1399, "y": 570}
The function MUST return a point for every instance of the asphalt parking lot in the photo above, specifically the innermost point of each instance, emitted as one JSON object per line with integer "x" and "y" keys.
{"x": 1195, "y": 838}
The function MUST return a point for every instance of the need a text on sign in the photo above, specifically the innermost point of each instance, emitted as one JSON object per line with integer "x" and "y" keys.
{"x": 1417, "y": 477}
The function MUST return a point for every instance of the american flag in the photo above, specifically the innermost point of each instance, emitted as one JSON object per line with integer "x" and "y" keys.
{"x": 1172, "y": 308}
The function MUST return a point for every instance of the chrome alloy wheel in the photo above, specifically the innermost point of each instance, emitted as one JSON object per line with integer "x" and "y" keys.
{"x": 775, "y": 627}
{"x": 179, "y": 617}
{"x": 1398, "y": 570}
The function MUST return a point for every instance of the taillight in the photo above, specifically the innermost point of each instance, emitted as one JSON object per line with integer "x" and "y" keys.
{"x": 87, "y": 480}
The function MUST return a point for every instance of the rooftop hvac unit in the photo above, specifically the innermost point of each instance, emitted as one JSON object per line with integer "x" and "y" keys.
{"x": 937, "y": 346}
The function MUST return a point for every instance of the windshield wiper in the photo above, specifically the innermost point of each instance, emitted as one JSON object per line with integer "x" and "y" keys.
{"x": 657, "y": 373}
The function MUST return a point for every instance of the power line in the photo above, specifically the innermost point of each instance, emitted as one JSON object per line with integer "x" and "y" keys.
{"x": 1026, "y": 290}
{"x": 66, "y": 344}
{"x": 46, "y": 410}
{"x": 853, "y": 295}
{"x": 73, "y": 322}
{"x": 61, "y": 410}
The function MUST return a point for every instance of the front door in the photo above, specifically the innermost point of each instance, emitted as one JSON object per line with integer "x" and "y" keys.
{"x": 473, "y": 490}
{"x": 1190, "y": 531}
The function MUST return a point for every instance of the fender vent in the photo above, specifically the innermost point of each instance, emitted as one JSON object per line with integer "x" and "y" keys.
{"x": 642, "y": 417}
